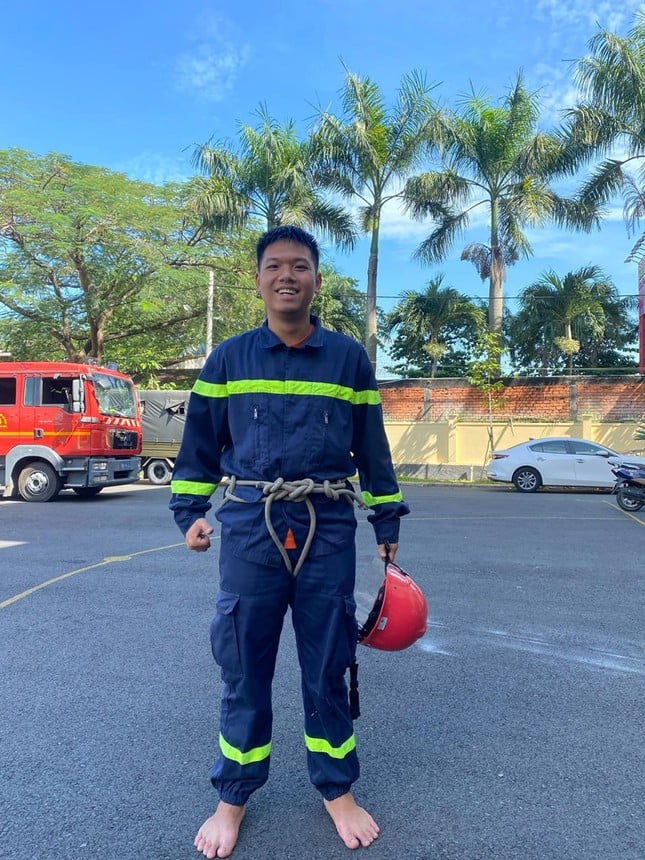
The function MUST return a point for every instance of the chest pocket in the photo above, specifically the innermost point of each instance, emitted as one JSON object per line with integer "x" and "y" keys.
{"x": 250, "y": 434}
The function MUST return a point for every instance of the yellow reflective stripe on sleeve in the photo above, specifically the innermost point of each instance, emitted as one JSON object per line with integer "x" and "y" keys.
{"x": 231, "y": 752}
{"x": 210, "y": 389}
{"x": 320, "y": 745}
{"x": 192, "y": 488}
{"x": 284, "y": 387}
{"x": 370, "y": 500}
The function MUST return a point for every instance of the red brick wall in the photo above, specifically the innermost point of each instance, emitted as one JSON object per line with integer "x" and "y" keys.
{"x": 549, "y": 399}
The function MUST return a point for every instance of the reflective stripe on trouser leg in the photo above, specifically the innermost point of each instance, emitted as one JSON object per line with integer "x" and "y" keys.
{"x": 245, "y": 634}
{"x": 325, "y": 625}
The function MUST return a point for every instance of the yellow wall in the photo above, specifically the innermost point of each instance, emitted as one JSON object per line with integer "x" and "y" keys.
{"x": 466, "y": 443}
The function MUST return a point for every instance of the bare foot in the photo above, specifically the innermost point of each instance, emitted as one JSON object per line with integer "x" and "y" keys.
{"x": 354, "y": 824}
{"x": 218, "y": 834}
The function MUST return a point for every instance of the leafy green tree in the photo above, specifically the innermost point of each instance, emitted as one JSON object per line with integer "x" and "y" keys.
{"x": 557, "y": 314}
{"x": 493, "y": 158}
{"x": 610, "y": 119}
{"x": 432, "y": 322}
{"x": 367, "y": 152}
{"x": 93, "y": 263}
{"x": 483, "y": 373}
{"x": 270, "y": 179}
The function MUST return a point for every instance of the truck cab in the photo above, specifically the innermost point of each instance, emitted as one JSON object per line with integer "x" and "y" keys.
{"x": 65, "y": 425}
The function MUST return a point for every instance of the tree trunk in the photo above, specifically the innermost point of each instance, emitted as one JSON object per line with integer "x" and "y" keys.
{"x": 496, "y": 280}
{"x": 370, "y": 323}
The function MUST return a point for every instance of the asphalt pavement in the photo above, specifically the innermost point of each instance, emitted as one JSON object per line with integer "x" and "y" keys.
{"x": 512, "y": 731}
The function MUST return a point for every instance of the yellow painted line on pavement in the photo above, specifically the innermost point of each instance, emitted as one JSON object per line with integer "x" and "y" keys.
{"x": 627, "y": 514}
{"x": 111, "y": 559}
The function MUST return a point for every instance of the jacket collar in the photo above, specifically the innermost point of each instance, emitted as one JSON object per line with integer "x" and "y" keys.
{"x": 270, "y": 340}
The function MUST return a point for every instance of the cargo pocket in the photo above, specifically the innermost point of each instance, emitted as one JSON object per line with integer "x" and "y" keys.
{"x": 224, "y": 635}
{"x": 346, "y": 634}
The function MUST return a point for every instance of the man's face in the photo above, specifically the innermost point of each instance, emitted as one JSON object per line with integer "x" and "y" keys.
{"x": 287, "y": 278}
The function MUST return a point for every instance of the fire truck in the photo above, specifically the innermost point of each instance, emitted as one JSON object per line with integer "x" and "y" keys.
{"x": 65, "y": 425}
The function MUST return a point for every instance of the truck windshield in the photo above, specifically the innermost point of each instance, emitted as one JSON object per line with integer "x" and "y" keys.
{"x": 115, "y": 396}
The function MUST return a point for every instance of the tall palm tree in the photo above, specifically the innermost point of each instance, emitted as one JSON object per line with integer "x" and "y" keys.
{"x": 269, "y": 177}
{"x": 493, "y": 158}
{"x": 431, "y": 317}
{"x": 366, "y": 154}
{"x": 610, "y": 117}
{"x": 565, "y": 308}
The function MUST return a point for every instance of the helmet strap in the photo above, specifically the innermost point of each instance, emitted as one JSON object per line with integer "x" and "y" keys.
{"x": 386, "y": 544}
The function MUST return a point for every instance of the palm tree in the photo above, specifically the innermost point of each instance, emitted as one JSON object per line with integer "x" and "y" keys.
{"x": 492, "y": 157}
{"x": 340, "y": 304}
{"x": 430, "y": 318}
{"x": 367, "y": 153}
{"x": 270, "y": 178}
{"x": 611, "y": 116}
{"x": 558, "y": 311}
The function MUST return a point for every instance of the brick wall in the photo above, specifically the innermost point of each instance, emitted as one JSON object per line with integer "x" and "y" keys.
{"x": 616, "y": 398}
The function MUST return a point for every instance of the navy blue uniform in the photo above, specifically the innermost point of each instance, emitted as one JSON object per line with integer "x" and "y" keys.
{"x": 261, "y": 410}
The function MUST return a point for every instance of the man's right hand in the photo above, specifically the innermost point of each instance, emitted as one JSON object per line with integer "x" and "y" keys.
{"x": 198, "y": 535}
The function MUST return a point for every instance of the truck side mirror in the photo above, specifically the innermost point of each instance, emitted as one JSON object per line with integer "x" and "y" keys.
{"x": 78, "y": 396}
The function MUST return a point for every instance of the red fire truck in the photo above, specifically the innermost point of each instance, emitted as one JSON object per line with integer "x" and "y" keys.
{"x": 75, "y": 426}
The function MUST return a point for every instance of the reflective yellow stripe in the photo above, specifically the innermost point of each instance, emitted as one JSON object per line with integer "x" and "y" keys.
{"x": 320, "y": 745}
{"x": 29, "y": 434}
{"x": 210, "y": 389}
{"x": 257, "y": 754}
{"x": 287, "y": 387}
{"x": 192, "y": 488}
{"x": 370, "y": 500}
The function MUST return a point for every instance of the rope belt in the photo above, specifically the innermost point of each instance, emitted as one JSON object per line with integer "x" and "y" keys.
{"x": 293, "y": 491}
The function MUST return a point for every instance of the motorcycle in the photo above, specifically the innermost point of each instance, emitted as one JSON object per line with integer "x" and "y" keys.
{"x": 629, "y": 488}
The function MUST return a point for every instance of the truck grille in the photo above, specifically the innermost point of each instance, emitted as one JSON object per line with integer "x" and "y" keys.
{"x": 123, "y": 440}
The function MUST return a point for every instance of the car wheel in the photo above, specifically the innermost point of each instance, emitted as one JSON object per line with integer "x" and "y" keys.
{"x": 38, "y": 483}
{"x": 87, "y": 492}
{"x": 626, "y": 503}
{"x": 158, "y": 472}
{"x": 527, "y": 480}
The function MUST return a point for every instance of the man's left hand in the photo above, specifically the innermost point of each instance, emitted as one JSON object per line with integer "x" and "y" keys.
{"x": 385, "y": 553}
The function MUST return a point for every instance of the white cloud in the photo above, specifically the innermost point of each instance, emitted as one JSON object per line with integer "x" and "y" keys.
{"x": 210, "y": 67}
{"x": 575, "y": 13}
{"x": 156, "y": 168}
{"x": 571, "y": 24}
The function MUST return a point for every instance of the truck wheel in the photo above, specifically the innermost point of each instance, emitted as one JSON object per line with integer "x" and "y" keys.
{"x": 38, "y": 483}
{"x": 87, "y": 492}
{"x": 158, "y": 472}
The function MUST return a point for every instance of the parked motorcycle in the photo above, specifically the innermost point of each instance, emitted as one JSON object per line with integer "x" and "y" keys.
{"x": 629, "y": 488}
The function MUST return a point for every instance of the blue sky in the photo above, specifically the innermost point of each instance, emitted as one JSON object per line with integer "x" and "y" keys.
{"x": 134, "y": 86}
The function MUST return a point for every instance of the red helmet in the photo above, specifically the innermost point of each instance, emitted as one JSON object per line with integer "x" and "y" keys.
{"x": 399, "y": 615}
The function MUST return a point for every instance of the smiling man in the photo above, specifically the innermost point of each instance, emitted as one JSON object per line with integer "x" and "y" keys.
{"x": 289, "y": 413}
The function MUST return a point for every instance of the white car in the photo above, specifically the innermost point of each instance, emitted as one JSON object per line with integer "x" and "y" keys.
{"x": 556, "y": 461}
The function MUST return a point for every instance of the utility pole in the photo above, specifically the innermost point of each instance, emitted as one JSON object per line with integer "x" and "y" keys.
{"x": 638, "y": 254}
{"x": 209, "y": 312}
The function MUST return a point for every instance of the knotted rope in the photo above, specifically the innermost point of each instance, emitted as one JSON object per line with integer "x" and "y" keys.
{"x": 293, "y": 491}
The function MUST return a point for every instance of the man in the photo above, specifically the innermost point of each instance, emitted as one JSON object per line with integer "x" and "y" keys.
{"x": 293, "y": 401}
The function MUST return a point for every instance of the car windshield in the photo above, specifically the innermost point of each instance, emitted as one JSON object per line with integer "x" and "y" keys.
{"x": 115, "y": 396}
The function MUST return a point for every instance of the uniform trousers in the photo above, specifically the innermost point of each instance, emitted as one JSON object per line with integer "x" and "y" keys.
{"x": 251, "y": 606}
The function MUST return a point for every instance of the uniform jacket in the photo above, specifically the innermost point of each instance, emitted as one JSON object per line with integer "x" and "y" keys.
{"x": 261, "y": 410}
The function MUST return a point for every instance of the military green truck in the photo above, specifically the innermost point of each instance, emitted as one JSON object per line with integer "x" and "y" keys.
{"x": 164, "y": 415}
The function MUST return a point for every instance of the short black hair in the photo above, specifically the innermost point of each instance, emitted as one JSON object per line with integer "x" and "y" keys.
{"x": 287, "y": 233}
